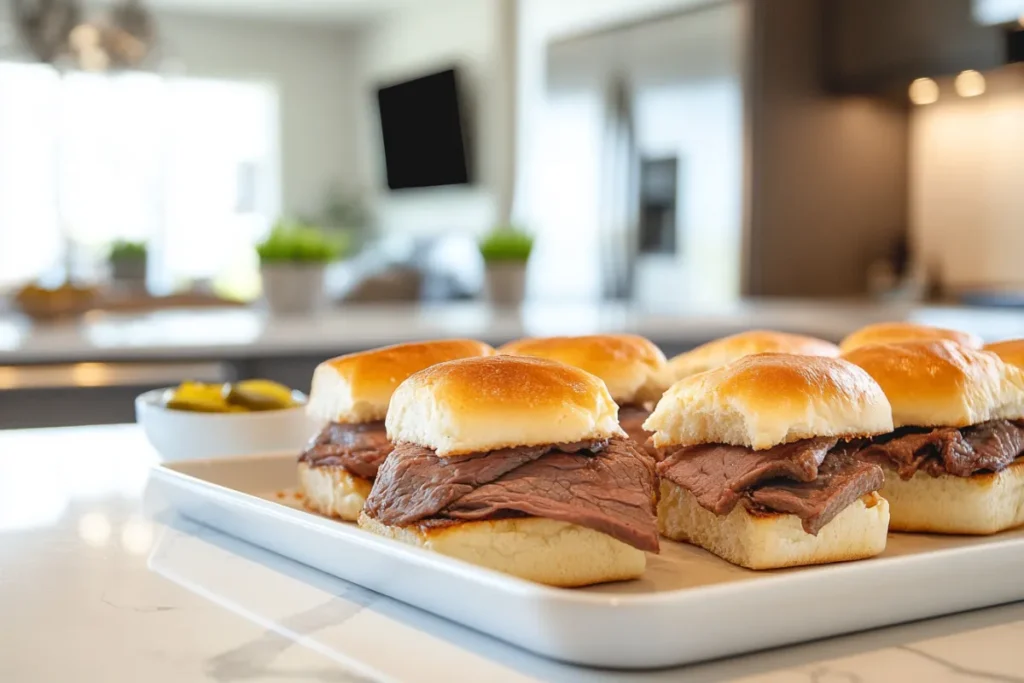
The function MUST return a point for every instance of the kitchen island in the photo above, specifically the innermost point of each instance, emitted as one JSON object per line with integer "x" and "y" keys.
{"x": 97, "y": 587}
{"x": 91, "y": 368}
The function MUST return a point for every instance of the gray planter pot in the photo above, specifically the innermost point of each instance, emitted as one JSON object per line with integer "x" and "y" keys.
{"x": 291, "y": 289}
{"x": 129, "y": 272}
{"x": 505, "y": 282}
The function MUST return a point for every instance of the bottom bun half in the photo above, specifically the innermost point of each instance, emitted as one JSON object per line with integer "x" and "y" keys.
{"x": 333, "y": 491}
{"x": 533, "y": 548}
{"x": 981, "y": 504}
{"x": 773, "y": 541}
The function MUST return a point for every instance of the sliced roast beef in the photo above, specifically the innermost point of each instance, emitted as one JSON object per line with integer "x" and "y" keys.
{"x": 841, "y": 480}
{"x": 359, "y": 448}
{"x": 612, "y": 493}
{"x": 631, "y": 419}
{"x": 814, "y": 479}
{"x": 986, "y": 447}
{"x": 606, "y": 486}
{"x": 416, "y": 483}
{"x": 718, "y": 474}
{"x": 995, "y": 446}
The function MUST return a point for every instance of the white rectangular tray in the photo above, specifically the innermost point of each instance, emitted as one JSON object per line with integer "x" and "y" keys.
{"x": 689, "y": 606}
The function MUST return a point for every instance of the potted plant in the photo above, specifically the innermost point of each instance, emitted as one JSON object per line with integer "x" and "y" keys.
{"x": 293, "y": 260}
{"x": 127, "y": 261}
{"x": 505, "y": 250}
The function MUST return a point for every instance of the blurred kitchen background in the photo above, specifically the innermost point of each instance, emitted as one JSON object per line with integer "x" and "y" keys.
{"x": 214, "y": 189}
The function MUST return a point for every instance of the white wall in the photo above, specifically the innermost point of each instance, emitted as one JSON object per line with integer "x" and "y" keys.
{"x": 313, "y": 70}
{"x": 966, "y": 202}
{"x": 413, "y": 42}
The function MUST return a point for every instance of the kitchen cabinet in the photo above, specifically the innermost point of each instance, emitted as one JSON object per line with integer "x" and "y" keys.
{"x": 877, "y": 46}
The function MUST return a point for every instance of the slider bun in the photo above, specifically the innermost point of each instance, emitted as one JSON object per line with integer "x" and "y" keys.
{"x": 483, "y": 404}
{"x": 357, "y": 387}
{"x": 894, "y": 333}
{"x": 767, "y": 399}
{"x": 533, "y": 548}
{"x": 727, "y": 349}
{"x": 631, "y": 366}
{"x": 943, "y": 384}
{"x": 1011, "y": 352}
{"x": 980, "y": 504}
{"x": 774, "y": 540}
{"x": 333, "y": 491}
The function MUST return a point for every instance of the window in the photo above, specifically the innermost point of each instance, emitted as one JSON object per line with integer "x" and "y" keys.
{"x": 189, "y": 165}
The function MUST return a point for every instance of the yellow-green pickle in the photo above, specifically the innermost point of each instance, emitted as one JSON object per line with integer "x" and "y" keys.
{"x": 239, "y": 397}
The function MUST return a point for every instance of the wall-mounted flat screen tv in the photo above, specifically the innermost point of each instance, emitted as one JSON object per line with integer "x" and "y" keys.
{"x": 421, "y": 123}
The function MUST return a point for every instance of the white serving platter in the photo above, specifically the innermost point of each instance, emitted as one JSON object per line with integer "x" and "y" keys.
{"x": 689, "y": 606}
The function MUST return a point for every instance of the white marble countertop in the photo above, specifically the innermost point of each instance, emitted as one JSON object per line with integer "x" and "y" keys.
{"x": 246, "y": 333}
{"x": 94, "y": 590}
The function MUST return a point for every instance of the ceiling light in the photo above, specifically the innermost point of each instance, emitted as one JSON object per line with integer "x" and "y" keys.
{"x": 924, "y": 91}
{"x": 969, "y": 83}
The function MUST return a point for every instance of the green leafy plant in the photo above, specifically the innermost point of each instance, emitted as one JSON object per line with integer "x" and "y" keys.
{"x": 506, "y": 243}
{"x": 293, "y": 242}
{"x": 126, "y": 250}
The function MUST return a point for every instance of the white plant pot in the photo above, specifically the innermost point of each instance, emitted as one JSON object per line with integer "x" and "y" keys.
{"x": 291, "y": 289}
{"x": 506, "y": 282}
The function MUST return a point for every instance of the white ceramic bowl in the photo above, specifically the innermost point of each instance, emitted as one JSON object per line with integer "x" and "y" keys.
{"x": 185, "y": 435}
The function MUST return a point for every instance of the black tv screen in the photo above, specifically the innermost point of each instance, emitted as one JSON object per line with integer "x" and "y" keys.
{"x": 421, "y": 126}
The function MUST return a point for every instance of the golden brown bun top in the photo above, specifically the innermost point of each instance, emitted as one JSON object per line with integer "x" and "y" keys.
{"x": 766, "y": 399}
{"x": 357, "y": 387}
{"x": 727, "y": 349}
{"x": 483, "y": 404}
{"x": 1011, "y": 351}
{"x": 631, "y": 366}
{"x": 943, "y": 384}
{"x": 897, "y": 332}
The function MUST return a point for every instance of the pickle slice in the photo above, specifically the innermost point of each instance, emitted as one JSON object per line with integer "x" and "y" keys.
{"x": 259, "y": 394}
{"x": 199, "y": 406}
{"x": 198, "y": 397}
